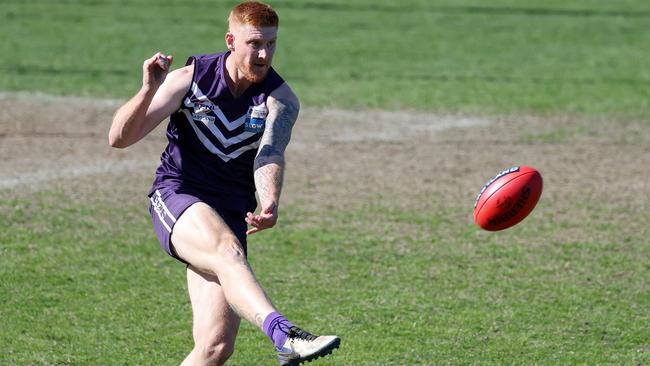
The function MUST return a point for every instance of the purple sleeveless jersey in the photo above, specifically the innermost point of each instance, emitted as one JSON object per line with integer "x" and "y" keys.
{"x": 213, "y": 137}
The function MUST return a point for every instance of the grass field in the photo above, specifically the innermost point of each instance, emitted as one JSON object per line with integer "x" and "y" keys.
{"x": 409, "y": 109}
{"x": 481, "y": 56}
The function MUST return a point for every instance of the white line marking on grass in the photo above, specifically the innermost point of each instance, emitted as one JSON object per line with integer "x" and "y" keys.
{"x": 318, "y": 126}
{"x": 42, "y": 97}
{"x": 36, "y": 178}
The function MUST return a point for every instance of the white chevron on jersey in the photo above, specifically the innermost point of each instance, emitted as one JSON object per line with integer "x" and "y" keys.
{"x": 209, "y": 123}
{"x": 205, "y": 100}
{"x": 215, "y": 150}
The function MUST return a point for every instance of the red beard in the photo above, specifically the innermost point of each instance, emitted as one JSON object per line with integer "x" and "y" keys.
{"x": 255, "y": 74}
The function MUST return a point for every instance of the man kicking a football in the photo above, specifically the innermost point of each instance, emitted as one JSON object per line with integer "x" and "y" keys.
{"x": 231, "y": 117}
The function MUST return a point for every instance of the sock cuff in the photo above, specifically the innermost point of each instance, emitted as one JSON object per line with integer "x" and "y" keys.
{"x": 269, "y": 320}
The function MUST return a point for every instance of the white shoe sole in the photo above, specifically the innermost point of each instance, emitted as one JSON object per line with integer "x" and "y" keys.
{"x": 328, "y": 349}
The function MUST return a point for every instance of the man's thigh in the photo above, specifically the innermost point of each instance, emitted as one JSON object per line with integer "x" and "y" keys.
{"x": 169, "y": 205}
{"x": 201, "y": 236}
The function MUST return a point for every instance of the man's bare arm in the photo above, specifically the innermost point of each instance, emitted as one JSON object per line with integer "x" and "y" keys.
{"x": 161, "y": 94}
{"x": 269, "y": 164}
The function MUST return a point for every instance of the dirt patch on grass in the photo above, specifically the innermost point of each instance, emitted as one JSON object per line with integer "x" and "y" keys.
{"x": 54, "y": 139}
{"x": 344, "y": 160}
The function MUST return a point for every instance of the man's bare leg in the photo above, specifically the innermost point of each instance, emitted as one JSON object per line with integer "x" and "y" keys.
{"x": 203, "y": 239}
{"x": 214, "y": 323}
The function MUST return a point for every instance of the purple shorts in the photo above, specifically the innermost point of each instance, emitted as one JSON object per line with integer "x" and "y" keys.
{"x": 167, "y": 204}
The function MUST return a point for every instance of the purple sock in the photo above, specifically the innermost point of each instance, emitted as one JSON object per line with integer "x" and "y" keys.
{"x": 276, "y": 328}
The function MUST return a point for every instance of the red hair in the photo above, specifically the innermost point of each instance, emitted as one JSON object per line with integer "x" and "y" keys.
{"x": 253, "y": 13}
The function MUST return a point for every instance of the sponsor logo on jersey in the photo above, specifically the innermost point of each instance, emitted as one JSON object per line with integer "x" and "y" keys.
{"x": 256, "y": 118}
{"x": 202, "y": 108}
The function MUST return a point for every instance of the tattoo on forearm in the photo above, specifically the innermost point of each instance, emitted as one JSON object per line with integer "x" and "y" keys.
{"x": 268, "y": 181}
{"x": 269, "y": 163}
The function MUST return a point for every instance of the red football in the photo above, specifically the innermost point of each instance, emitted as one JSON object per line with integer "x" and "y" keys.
{"x": 507, "y": 198}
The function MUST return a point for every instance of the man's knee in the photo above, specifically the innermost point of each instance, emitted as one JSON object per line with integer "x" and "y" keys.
{"x": 217, "y": 353}
{"x": 222, "y": 255}
{"x": 202, "y": 238}
{"x": 217, "y": 250}
{"x": 230, "y": 250}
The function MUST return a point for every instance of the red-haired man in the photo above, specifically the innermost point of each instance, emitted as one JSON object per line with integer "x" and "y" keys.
{"x": 231, "y": 117}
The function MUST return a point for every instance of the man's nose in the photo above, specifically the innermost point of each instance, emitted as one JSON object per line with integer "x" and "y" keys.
{"x": 262, "y": 53}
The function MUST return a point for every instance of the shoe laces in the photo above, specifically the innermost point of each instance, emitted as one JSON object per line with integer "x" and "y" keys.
{"x": 295, "y": 332}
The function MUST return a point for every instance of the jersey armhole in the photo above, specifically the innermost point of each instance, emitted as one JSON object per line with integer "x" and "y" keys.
{"x": 190, "y": 61}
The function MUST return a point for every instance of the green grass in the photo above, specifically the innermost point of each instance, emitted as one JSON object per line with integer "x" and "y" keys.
{"x": 84, "y": 282}
{"x": 77, "y": 291}
{"x": 579, "y": 57}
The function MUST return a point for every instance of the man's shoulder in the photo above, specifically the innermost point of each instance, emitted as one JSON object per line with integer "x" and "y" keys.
{"x": 176, "y": 85}
{"x": 182, "y": 76}
{"x": 185, "y": 70}
{"x": 283, "y": 92}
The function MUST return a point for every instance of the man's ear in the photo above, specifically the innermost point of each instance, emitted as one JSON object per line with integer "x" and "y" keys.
{"x": 230, "y": 41}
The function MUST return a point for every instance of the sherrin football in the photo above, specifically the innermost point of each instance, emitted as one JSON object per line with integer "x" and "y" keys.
{"x": 507, "y": 198}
